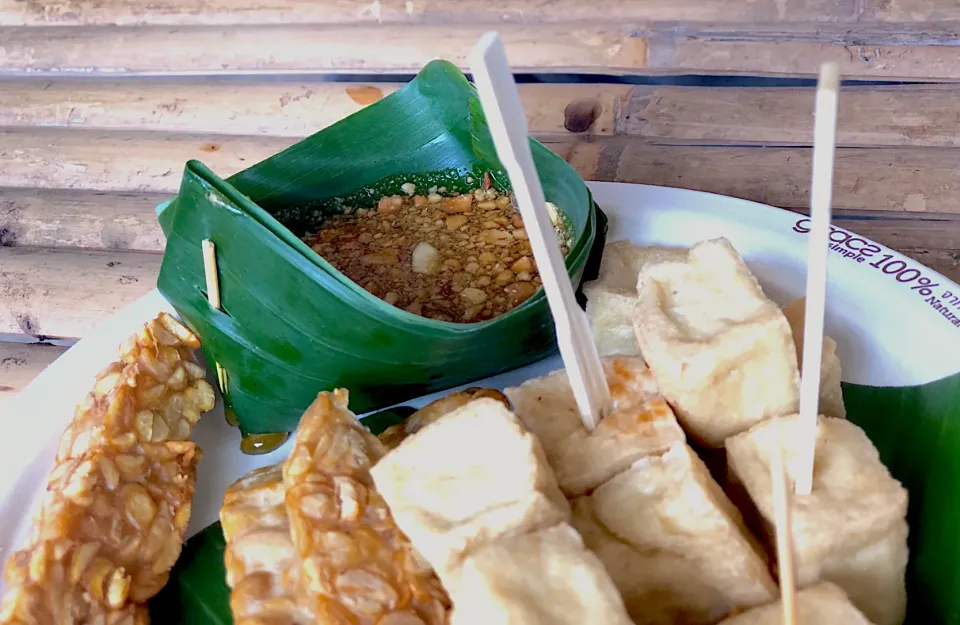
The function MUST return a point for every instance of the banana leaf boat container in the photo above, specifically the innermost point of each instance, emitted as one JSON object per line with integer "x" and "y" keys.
{"x": 291, "y": 325}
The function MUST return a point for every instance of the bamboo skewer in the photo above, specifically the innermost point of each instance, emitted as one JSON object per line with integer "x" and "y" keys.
{"x": 213, "y": 296}
{"x": 508, "y": 126}
{"x": 784, "y": 528}
{"x": 824, "y": 142}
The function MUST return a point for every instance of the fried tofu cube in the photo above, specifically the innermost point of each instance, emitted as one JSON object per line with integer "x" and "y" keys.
{"x": 721, "y": 351}
{"x": 641, "y": 423}
{"x": 822, "y": 604}
{"x": 622, "y": 261}
{"x": 468, "y": 479}
{"x": 546, "y": 577}
{"x": 612, "y": 297}
{"x": 831, "y": 394}
{"x": 610, "y": 313}
{"x": 851, "y": 529}
{"x": 675, "y": 546}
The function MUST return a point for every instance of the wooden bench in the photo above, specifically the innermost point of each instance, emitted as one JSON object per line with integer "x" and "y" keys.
{"x": 102, "y": 103}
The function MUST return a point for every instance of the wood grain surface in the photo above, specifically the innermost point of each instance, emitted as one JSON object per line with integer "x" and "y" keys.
{"x": 64, "y": 293}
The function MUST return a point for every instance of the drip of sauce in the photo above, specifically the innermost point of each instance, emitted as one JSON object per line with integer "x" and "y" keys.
{"x": 256, "y": 444}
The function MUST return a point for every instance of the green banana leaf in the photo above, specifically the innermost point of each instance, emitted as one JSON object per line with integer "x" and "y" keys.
{"x": 917, "y": 432}
{"x": 291, "y": 324}
{"x": 916, "y": 429}
{"x": 197, "y": 592}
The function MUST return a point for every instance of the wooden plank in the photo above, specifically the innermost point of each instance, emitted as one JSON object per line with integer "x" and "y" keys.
{"x": 868, "y": 116}
{"x": 233, "y": 12}
{"x": 65, "y": 293}
{"x": 618, "y": 47}
{"x": 105, "y": 161}
{"x": 90, "y": 219}
{"x": 299, "y": 48}
{"x": 291, "y": 108}
{"x": 20, "y": 363}
{"x": 911, "y": 10}
{"x": 905, "y": 231}
{"x": 911, "y": 179}
{"x": 918, "y": 115}
{"x": 946, "y": 262}
{"x": 791, "y": 57}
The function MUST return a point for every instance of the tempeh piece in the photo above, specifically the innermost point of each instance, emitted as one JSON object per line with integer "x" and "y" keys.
{"x": 674, "y": 545}
{"x": 641, "y": 423}
{"x": 118, "y": 499}
{"x": 720, "y": 349}
{"x": 850, "y": 530}
{"x": 356, "y": 565}
{"x": 263, "y": 570}
{"x": 470, "y": 478}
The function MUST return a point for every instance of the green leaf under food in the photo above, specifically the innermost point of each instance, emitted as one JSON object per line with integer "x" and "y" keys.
{"x": 917, "y": 432}
{"x": 197, "y": 592}
{"x": 292, "y": 325}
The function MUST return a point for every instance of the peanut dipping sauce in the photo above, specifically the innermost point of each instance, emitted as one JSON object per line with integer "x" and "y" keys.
{"x": 462, "y": 258}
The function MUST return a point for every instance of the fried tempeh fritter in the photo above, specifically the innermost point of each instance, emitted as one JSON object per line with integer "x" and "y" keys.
{"x": 118, "y": 499}
{"x": 356, "y": 566}
{"x": 263, "y": 570}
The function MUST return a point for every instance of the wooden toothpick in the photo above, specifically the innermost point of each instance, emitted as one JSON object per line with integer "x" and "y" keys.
{"x": 213, "y": 296}
{"x": 821, "y": 189}
{"x": 784, "y": 528}
{"x": 508, "y": 126}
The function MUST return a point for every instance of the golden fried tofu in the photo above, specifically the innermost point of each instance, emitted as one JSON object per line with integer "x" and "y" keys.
{"x": 546, "y": 577}
{"x": 472, "y": 477}
{"x": 263, "y": 570}
{"x": 850, "y": 530}
{"x": 396, "y": 434}
{"x": 720, "y": 350}
{"x": 823, "y": 604}
{"x": 831, "y": 394}
{"x": 118, "y": 500}
{"x": 622, "y": 261}
{"x": 610, "y": 313}
{"x": 356, "y": 566}
{"x": 639, "y": 424}
{"x": 674, "y": 545}
{"x": 612, "y": 297}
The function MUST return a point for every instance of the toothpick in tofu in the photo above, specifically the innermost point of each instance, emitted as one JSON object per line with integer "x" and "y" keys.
{"x": 851, "y": 529}
{"x": 640, "y": 423}
{"x": 831, "y": 394}
{"x": 822, "y": 604}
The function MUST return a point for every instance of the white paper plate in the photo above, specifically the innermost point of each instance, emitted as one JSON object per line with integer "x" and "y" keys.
{"x": 896, "y": 322}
